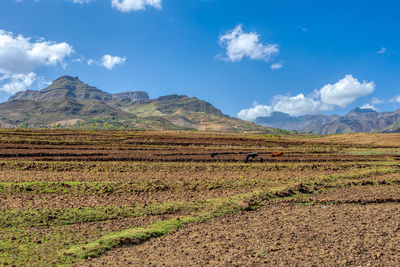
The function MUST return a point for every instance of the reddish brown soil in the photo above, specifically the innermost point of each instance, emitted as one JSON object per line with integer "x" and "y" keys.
{"x": 360, "y": 194}
{"x": 359, "y": 234}
{"x": 289, "y": 235}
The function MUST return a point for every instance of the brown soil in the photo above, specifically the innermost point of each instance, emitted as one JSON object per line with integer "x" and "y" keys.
{"x": 360, "y": 194}
{"x": 289, "y": 235}
{"x": 169, "y": 173}
{"x": 366, "y": 232}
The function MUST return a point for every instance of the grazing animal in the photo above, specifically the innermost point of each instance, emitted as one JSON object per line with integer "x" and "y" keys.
{"x": 251, "y": 156}
{"x": 277, "y": 154}
{"x": 214, "y": 154}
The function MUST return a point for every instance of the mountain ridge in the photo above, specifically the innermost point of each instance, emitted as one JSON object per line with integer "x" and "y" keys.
{"x": 356, "y": 121}
{"x": 69, "y": 102}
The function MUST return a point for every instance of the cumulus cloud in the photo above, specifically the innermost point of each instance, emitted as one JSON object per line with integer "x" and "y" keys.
{"x": 239, "y": 44}
{"x": 340, "y": 94}
{"x": 135, "y": 5}
{"x": 345, "y": 91}
{"x": 110, "y": 62}
{"x": 20, "y": 56}
{"x": 17, "y": 82}
{"x": 256, "y": 111}
{"x": 297, "y": 105}
{"x": 292, "y": 105}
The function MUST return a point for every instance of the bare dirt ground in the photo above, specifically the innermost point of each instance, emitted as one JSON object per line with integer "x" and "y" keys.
{"x": 281, "y": 235}
{"x": 360, "y": 195}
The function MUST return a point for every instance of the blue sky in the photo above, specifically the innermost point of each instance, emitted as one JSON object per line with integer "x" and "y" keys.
{"x": 248, "y": 58}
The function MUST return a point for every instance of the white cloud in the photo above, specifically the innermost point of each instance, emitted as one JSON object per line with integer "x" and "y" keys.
{"x": 110, "y": 62}
{"x": 292, "y": 105}
{"x": 382, "y": 50}
{"x": 345, "y": 91}
{"x": 135, "y": 5}
{"x": 277, "y": 65}
{"x": 239, "y": 44}
{"x": 340, "y": 94}
{"x": 107, "y": 61}
{"x": 296, "y": 105}
{"x": 368, "y": 106}
{"x": 256, "y": 111}
{"x": 22, "y": 55}
{"x": 376, "y": 101}
{"x": 17, "y": 82}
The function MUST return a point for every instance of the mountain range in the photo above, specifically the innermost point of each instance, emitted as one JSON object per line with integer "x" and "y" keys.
{"x": 356, "y": 121}
{"x": 68, "y": 102}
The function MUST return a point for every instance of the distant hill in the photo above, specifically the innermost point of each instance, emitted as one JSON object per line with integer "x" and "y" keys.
{"x": 68, "y": 102}
{"x": 356, "y": 121}
{"x": 302, "y": 123}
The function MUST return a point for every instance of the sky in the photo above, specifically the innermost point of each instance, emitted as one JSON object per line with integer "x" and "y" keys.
{"x": 247, "y": 58}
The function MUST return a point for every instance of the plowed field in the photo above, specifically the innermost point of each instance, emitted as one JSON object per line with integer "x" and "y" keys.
{"x": 187, "y": 198}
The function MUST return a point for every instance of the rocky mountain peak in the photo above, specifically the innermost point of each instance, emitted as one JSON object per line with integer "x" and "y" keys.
{"x": 66, "y": 77}
{"x": 65, "y": 86}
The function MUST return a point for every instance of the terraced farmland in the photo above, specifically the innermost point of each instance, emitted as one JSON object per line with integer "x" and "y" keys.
{"x": 152, "y": 198}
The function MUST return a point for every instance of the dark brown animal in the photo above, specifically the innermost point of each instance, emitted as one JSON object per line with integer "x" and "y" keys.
{"x": 251, "y": 156}
{"x": 277, "y": 154}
